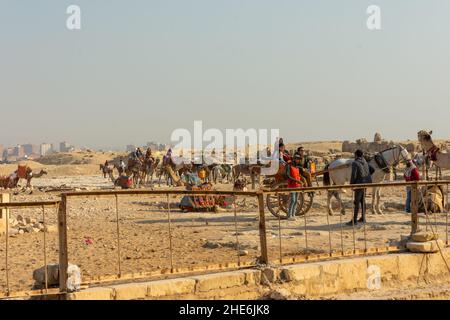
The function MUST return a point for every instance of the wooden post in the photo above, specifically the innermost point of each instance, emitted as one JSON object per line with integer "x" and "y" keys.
{"x": 63, "y": 254}
{"x": 4, "y": 226}
{"x": 262, "y": 229}
{"x": 414, "y": 208}
{"x": 4, "y": 213}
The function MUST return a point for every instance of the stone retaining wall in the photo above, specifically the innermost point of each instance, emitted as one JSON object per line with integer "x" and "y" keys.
{"x": 311, "y": 280}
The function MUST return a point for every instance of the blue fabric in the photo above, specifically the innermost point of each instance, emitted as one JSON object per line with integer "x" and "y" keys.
{"x": 408, "y": 200}
{"x": 192, "y": 179}
{"x": 293, "y": 204}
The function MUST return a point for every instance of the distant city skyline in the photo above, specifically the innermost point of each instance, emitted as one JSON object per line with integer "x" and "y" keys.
{"x": 137, "y": 71}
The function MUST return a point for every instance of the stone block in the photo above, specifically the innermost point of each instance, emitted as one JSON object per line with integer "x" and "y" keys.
{"x": 170, "y": 287}
{"x": 252, "y": 277}
{"x": 219, "y": 281}
{"x": 408, "y": 266}
{"x": 130, "y": 291}
{"x": 301, "y": 272}
{"x": 423, "y": 236}
{"x": 425, "y": 247}
{"x": 388, "y": 265}
{"x": 353, "y": 274}
{"x": 100, "y": 293}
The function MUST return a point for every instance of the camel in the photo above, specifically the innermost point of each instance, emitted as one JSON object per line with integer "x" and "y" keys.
{"x": 134, "y": 169}
{"x": 339, "y": 172}
{"x": 31, "y": 175}
{"x": 439, "y": 158}
{"x": 171, "y": 169}
{"x": 12, "y": 182}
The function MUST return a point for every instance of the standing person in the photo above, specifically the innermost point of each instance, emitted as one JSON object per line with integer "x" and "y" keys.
{"x": 122, "y": 166}
{"x": 294, "y": 181}
{"x": 361, "y": 173}
{"x": 411, "y": 174}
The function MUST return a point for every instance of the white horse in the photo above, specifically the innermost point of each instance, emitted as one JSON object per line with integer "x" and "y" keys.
{"x": 339, "y": 172}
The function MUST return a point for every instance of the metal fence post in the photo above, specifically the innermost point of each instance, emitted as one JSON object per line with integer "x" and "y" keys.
{"x": 414, "y": 208}
{"x": 63, "y": 254}
{"x": 262, "y": 229}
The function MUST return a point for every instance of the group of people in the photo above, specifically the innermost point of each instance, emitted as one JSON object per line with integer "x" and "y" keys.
{"x": 297, "y": 167}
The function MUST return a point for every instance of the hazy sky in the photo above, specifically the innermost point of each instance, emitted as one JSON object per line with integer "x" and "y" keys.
{"x": 137, "y": 70}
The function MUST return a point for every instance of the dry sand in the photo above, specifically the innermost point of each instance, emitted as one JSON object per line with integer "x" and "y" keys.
{"x": 144, "y": 232}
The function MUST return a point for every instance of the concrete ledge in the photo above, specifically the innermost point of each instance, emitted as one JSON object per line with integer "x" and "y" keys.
{"x": 312, "y": 279}
{"x": 92, "y": 294}
{"x": 219, "y": 281}
{"x": 162, "y": 288}
{"x": 130, "y": 291}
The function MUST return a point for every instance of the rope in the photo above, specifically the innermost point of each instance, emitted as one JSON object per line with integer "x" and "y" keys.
{"x": 433, "y": 231}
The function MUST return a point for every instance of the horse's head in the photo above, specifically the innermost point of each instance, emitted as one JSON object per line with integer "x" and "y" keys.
{"x": 404, "y": 154}
{"x": 395, "y": 155}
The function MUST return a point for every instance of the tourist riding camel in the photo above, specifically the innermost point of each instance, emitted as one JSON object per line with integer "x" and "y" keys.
{"x": 22, "y": 172}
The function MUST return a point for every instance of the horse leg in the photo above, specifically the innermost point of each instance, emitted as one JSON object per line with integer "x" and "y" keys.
{"x": 337, "y": 194}
{"x": 373, "y": 204}
{"x": 378, "y": 207}
{"x": 330, "y": 210}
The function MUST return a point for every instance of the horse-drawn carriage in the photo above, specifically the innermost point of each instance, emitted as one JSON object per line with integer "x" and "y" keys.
{"x": 278, "y": 204}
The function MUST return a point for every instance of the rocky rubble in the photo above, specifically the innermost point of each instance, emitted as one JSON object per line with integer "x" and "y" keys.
{"x": 22, "y": 225}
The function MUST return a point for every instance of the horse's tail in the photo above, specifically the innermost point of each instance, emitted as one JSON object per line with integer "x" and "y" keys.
{"x": 326, "y": 176}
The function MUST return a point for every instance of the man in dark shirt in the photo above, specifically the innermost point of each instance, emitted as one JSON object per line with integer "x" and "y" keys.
{"x": 304, "y": 165}
{"x": 361, "y": 173}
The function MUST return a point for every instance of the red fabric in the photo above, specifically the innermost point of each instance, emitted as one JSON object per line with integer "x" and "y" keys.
{"x": 22, "y": 172}
{"x": 415, "y": 175}
{"x": 294, "y": 173}
{"x": 286, "y": 157}
{"x": 432, "y": 153}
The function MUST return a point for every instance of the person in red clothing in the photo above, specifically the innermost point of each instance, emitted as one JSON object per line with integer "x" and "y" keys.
{"x": 411, "y": 174}
{"x": 294, "y": 181}
{"x": 285, "y": 157}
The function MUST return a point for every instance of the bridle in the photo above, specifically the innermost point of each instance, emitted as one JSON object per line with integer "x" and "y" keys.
{"x": 397, "y": 157}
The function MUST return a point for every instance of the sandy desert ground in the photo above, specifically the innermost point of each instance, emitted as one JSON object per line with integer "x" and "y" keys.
{"x": 199, "y": 238}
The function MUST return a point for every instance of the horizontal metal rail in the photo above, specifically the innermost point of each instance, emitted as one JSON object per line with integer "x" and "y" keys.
{"x": 36, "y": 204}
{"x": 157, "y": 192}
{"x": 357, "y": 186}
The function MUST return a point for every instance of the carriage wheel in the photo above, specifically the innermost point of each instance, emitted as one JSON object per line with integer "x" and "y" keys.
{"x": 307, "y": 201}
{"x": 278, "y": 204}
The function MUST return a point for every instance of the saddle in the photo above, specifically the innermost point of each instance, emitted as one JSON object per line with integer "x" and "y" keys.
{"x": 22, "y": 171}
{"x": 434, "y": 199}
{"x": 381, "y": 162}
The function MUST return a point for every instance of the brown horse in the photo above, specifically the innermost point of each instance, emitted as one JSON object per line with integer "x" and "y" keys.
{"x": 107, "y": 171}
{"x": 148, "y": 169}
{"x": 253, "y": 170}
